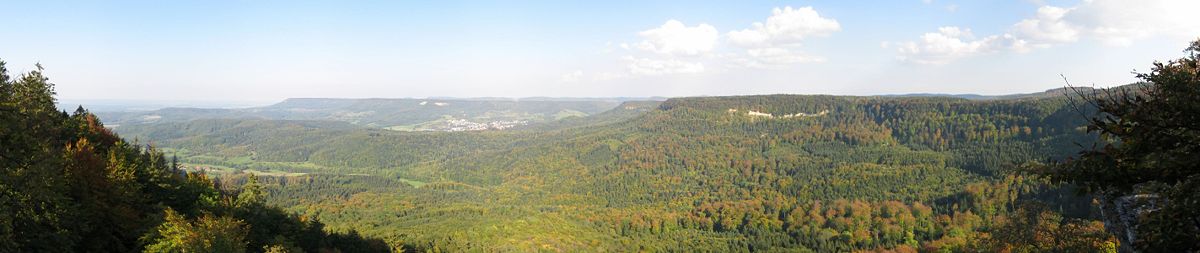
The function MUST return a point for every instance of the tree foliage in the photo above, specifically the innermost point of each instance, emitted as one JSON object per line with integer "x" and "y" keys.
{"x": 68, "y": 184}
{"x": 206, "y": 234}
{"x": 1151, "y": 136}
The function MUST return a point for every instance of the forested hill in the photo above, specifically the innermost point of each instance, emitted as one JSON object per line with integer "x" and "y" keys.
{"x": 979, "y": 131}
{"x": 1021, "y": 128}
{"x": 68, "y": 184}
{"x": 771, "y": 172}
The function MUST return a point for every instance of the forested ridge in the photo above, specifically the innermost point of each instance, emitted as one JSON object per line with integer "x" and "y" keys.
{"x": 68, "y": 184}
{"x": 850, "y": 173}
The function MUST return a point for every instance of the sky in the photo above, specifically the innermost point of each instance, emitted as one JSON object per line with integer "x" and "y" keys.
{"x": 271, "y": 50}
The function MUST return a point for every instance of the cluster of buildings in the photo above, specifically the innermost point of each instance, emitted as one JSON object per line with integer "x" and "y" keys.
{"x": 456, "y": 125}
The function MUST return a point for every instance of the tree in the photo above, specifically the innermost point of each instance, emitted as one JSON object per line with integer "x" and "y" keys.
{"x": 35, "y": 210}
{"x": 206, "y": 234}
{"x": 1151, "y": 134}
{"x": 252, "y": 193}
{"x": 1034, "y": 228}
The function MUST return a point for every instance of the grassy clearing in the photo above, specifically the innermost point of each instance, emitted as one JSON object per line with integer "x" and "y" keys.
{"x": 414, "y": 183}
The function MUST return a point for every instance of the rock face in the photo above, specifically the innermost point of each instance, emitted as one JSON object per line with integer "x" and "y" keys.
{"x": 1122, "y": 216}
{"x": 785, "y": 116}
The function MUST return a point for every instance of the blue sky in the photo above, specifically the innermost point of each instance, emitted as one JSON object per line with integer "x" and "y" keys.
{"x": 270, "y": 50}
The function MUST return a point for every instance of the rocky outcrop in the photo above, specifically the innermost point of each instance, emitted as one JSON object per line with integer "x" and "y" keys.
{"x": 1122, "y": 216}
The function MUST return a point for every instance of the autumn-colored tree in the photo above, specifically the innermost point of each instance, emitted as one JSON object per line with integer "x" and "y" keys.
{"x": 206, "y": 234}
{"x": 1034, "y": 228}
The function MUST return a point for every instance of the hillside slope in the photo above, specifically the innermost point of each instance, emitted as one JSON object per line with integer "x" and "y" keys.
{"x": 825, "y": 173}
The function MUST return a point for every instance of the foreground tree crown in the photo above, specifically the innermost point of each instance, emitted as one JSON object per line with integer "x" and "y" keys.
{"x": 1150, "y": 149}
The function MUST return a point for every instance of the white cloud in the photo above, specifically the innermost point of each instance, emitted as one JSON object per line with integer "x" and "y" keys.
{"x": 786, "y": 26}
{"x": 676, "y": 48}
{"x": 952, "y": 8}
{"x": 772, "y": 57}
{"x": 1114, "y": 22}
{"x": 672, "y": 48}
{"x": 951, "y": 43}
{"x": 1118, "y": 22}
{"x": 580, "y": 76}
{"x": 675, "y": 38}
{"x": 773, "y": 43}
{"x": 1047, "y": 28}
{"x": 647, "y": 66}
{"x": 572, "y": 77}
{"x": 605, "y": 76}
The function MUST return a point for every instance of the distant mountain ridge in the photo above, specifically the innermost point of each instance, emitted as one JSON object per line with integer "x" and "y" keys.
{"x": 405, "y": 114}
{"x": 446, "y": 113}
{"x": 1048, "y": 93}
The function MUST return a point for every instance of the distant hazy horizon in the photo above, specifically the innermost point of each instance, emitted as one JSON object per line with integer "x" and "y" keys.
{"x": 119, "y": 105}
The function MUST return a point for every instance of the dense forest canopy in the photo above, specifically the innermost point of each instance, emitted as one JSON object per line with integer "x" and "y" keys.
{"x": 747, "y": 173}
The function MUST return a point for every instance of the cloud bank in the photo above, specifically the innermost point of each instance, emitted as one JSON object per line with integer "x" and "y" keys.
{"x": 678, "y": 48}
{"x": 1113, "y": 22}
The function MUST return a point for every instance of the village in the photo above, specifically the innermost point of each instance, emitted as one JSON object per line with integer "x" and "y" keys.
{"x": 459, "y": 125}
